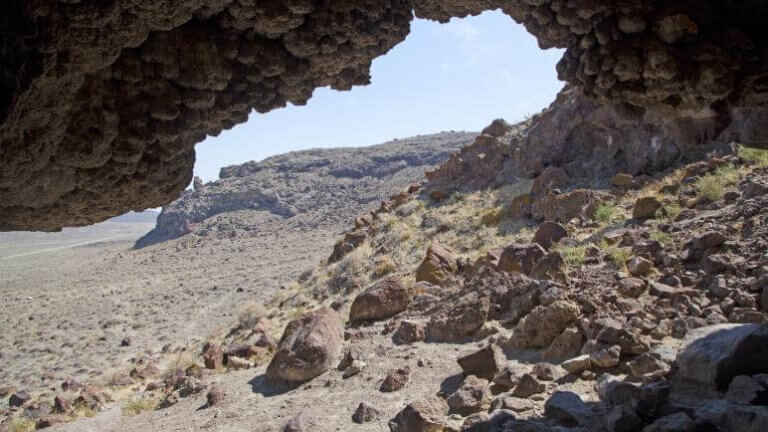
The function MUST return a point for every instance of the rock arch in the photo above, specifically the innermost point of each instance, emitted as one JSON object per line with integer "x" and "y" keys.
{"x": 102, "y": 101}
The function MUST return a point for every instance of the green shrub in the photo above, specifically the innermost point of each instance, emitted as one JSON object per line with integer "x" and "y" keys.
{"x": 615, "y": 254}
{"x": 754, "y": 155}
{"x": 711, "y": 187}
{"x": 671, "y": 210}
{"x": 605, "y": 212}
{"x": 662, "y": 237}
{"x": 574, "y": 256}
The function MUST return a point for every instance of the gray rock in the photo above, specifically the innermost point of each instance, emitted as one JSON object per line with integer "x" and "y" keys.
{"x": 567, "y": 408}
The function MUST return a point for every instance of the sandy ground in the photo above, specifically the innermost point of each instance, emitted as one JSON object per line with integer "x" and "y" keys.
{"x": 70, "y": 299}
{"x": 253, "y": 404}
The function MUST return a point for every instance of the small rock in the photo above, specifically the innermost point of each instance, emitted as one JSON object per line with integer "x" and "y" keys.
{"x": 214, "y": 396}
{"x": 631, "y": 287}
{"x": 484, "y": 363}
{"x": 549, "y": 233}
{"x": 19, "y": 398}
{"x": 355, "y": 368}
{"x": 408, "y": 333}
{"x": 472, "y": 396}
{"x": 567, "y": 408}
{"x": 645, "y": 208}
{"x": 426, "y": 415}
{"x": 61, "y": 404}
{"x": 311, "y": 344}
{"x": 639, "y": 266}
{"x": 544, "y": 371}
{"x": 213, "y": 356}
{"x": 578, "y": 364}
{"x": 365, "y": 413}
{"x": 396, "y": 380}
{"x": 606, "y": 357}
{"x": 528, "y": 386}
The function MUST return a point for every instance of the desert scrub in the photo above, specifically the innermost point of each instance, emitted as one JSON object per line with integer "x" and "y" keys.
{"x": 492, "y": 217}
{"x": 456, "y": 197}
{"x": 754, "y": 155}
{"x": 81, "y": 411}
{"x": 574, "y": 256}
{"x": 605, "y": 213}
{"x": 383, "y": 265}
{"x": 21, "y": 424}
{"x": 409, "y": 208}
{"x": 712, "y": 186}
{"x": 349, "y": 274}
{"x": 670, "y": 210}
{"x": 250, "y": 314}
{"x": 615, "y": 254}
{"x": 136, "y": 406}
{"x": 664, "y": 238}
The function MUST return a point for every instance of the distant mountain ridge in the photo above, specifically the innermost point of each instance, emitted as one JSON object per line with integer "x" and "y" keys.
{"x": 311, "y": 187}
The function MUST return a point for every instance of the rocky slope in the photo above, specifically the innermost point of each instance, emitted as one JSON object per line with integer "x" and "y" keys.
{"x": 309, "y": 189}
{"x": 539, "y": 301}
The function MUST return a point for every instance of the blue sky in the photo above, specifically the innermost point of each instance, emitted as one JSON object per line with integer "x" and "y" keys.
{"x": 455, "y": 76}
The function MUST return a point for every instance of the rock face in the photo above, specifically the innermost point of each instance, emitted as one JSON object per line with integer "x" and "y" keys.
{"x": 311, "y": 344}
{"x": 101, "y": 104}
{"x": 312, "y": 187}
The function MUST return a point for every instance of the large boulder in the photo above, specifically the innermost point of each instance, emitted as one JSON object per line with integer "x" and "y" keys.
{"x": 539, "y": 328}
{"x": 385, "y": 299}
{"x": 426, "y": 415}
{"x": 521, "y": 258}
{"x": 549, "y": 233}
{"x": 438, "y": 265}
{"x": 565, "y": 206}
{"x": 472, "y": 396}
{"x": 713, "y": 356}
{"x": 484, "y": 363}
{"x": 458, "y": 320}
{"x": 311, "y": 344}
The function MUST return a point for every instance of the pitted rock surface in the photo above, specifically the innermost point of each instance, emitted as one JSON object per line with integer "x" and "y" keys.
{"x": 101, "y": 102}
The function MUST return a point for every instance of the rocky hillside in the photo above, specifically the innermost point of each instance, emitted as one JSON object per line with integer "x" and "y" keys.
{"x": 312, "y": 188}
{"x": 637, "y": 305}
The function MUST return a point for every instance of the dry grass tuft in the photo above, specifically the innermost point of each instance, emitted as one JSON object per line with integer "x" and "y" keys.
{"x": 136, "y": 406}
{"x": 250, "y": 314}
{"x": 383, "y": 266}
{"x": 21, "y": 424}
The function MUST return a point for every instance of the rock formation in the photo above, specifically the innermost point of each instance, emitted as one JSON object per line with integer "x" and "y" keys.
{"x": 324, "y": 187}
{"x": 101, "y": 102}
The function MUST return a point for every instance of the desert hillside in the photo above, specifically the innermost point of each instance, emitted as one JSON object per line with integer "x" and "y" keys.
{"x": 82, "y": 303}
{"x": 307, "y": 189}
